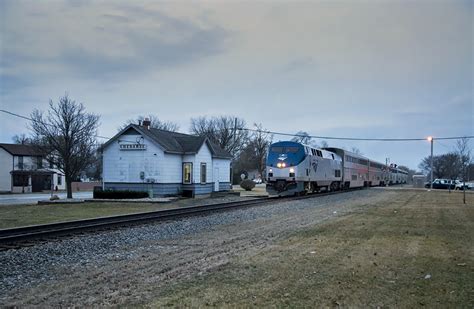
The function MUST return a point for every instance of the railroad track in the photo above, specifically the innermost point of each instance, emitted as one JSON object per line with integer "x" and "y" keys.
{"x": 15, "y": 238}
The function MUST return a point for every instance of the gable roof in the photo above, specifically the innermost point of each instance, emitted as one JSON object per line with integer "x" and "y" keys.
{"x": 174, "y": 142}
{"x": 20, "y": 149}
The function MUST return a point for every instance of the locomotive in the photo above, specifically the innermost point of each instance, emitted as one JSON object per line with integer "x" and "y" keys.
{"x": 295, "y": 168}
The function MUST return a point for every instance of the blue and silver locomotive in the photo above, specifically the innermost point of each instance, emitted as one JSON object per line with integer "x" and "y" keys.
{"x": 297, "y": 168}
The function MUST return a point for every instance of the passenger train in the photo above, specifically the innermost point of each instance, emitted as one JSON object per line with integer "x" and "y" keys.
{"x": 295, "y": 168}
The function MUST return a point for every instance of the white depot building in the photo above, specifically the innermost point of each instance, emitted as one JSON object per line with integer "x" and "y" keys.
{"x": 141, "y": 158}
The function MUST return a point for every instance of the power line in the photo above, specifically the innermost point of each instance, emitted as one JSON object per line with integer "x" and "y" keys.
{"x": 46, "y": 124}
{"x": 300, "y": 135}
{"x": 356, "y": 138}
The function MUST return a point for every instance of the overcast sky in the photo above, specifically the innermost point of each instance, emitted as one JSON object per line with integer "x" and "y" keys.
{"x": 383, "y": 69}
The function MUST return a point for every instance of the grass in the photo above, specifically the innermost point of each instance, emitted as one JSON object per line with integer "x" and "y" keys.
{"x": 414, "y": 251}
{"x": 23, "y": 215}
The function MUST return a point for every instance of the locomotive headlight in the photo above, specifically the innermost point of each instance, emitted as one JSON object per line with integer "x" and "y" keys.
{"x": 270, "y": 171}
{"x": 292, "y": 170}
{"x": 283, "y": 164}
{"x": 279, "y": 164}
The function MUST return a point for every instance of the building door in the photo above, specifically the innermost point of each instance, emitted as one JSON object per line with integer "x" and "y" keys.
{"x": 216, "y": 179}
{"x": 40, "y": 183}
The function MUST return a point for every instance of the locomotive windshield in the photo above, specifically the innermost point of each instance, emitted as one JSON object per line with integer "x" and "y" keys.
{"x": 291, "y": 153}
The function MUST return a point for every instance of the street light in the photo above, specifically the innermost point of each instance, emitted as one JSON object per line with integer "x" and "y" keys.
{"x": 430, "y": 139}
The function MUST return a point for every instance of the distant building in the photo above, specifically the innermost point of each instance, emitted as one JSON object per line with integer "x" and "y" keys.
{"x": 23, "y": 170}
{"x": 165, "y": 163}
{"x": 419, "y": 181}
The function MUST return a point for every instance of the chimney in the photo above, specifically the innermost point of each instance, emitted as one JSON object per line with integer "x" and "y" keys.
{"x": 147, "y": 123}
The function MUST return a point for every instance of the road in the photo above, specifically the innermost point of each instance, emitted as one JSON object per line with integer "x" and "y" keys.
{"x": 33, "y": 198}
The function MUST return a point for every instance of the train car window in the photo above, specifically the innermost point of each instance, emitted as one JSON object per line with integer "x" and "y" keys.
{"x": 292, "y": 149}
{"x": 354, "y": 177}
{"x": 319, "y": 153}
{"x": 277, "y": 149}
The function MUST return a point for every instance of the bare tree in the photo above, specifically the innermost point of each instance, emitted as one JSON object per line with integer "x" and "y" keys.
{"x": 260, "y": 141}
{"x": 156, "y": 123}
{"x": 226, "y": 131}
{"x": 444, "y": 166}
{"x": 356, "y": 151}
{"x": 302, "y": 137}
{"x": 66, "y": 136}
{"x": 21, "y": 139}
{"x": 464, "y": 153}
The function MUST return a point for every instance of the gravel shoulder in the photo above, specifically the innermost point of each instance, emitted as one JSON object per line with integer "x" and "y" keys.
{"x": 147, "y": 265}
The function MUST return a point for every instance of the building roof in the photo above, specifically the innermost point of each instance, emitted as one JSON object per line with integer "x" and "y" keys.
{"x": 174, "y": 142}
{"x": 20, "y": 149}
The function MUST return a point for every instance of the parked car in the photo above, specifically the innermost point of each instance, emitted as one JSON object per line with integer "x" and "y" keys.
{"x": 443, "y": 184}
{"x": 461, "y": 185}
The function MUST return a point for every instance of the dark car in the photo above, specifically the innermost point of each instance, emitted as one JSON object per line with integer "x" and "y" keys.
{"x": 443, "y": 184}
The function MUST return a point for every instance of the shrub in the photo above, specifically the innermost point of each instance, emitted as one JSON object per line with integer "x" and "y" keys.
{"x": 247, "y": 184}
{"x": 119, "y": 194}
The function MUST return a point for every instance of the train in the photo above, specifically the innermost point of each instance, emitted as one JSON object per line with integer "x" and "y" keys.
{"x": 296, "y": 168}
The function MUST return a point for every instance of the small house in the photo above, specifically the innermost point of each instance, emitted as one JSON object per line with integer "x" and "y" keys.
{"x": 23, "y": 169}
{"x": 164, "y": 163}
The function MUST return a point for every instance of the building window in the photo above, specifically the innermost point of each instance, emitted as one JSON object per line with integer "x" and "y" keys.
{"x": 187, "y": 173}
{"x": 203, "y": 173}
{"x": 20, "y": 180}
{"x": 20, "y": 162}
{"x": 39, "y": 162}
{"x": 60, "y": 180}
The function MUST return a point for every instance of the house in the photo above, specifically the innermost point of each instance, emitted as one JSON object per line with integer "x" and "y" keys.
{"x": 23, "y": 169}
{"x": 164, "y": 163}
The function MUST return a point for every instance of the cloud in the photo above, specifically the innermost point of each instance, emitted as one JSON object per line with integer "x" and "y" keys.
{"x": 83, "y": 42}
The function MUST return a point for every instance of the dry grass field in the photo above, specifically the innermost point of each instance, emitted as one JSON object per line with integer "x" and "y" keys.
{"x": 412, "y": 251}
{"x": 23, "y": 215}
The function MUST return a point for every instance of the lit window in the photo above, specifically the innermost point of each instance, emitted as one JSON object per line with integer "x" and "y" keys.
{"x": 187, "y": 172}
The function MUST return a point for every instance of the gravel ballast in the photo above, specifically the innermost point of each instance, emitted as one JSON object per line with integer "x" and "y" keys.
{"x": 127, "y": 266}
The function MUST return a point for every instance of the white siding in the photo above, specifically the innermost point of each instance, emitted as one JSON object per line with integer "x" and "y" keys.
{"x": 126, "y": 165}
{"x": 203, "y": 156}
{"x": 6, "y": 165}
{"x": 224, "y": 169}
{"x": 172, "y": 168}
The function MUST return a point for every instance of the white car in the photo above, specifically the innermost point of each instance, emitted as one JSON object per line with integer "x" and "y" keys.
{"x": 460, "y": 186}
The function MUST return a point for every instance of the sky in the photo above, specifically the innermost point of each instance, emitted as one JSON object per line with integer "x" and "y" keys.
{"x": 363, "y": 69}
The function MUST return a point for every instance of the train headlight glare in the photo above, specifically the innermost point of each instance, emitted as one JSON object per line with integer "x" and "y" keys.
{"x": 278, "y": 164}
{"x": 283, "y": 164}
{"x": 292, "y": 170}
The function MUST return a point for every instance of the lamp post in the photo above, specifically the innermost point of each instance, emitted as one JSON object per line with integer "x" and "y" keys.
{"x": 430, "y": 139}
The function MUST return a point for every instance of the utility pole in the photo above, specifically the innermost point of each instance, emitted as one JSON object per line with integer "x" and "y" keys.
{"x": 234, "y": 133}
{"x": 430, "y": 138}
